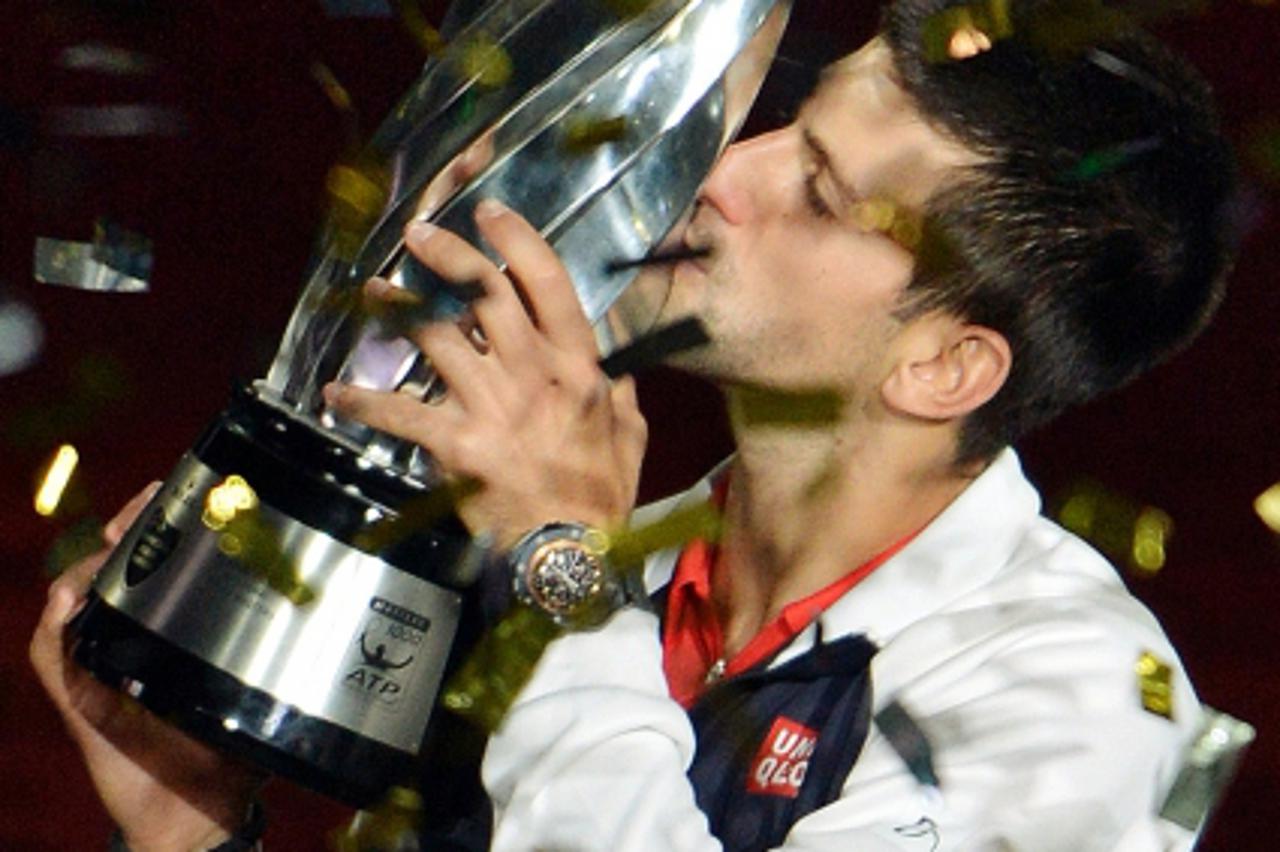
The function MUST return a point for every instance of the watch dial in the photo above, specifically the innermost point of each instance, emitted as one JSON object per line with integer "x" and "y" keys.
{"x": 562, "y": 575}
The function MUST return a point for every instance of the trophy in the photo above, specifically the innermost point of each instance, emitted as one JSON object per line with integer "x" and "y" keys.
{"x": 258, "y": 600}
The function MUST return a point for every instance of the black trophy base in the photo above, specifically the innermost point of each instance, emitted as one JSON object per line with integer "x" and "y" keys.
{"x": 246, "y": 722}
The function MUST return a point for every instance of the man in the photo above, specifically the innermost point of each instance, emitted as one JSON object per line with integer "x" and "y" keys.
{"x": 888, "y": 556}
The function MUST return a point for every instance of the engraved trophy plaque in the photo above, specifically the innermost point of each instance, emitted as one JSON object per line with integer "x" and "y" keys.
{"x": 249, "y": 602}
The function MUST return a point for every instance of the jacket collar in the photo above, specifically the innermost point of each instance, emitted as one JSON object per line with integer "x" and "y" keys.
{"x": 958, "y": 552}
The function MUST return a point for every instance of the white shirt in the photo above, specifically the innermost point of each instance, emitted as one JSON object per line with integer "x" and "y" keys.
{"x": 1012, "y": 643}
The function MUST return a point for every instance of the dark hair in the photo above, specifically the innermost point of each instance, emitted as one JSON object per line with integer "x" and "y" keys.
{"x": 1093, "y": 235}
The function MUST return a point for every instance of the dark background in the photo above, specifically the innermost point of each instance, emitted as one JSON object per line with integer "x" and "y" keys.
{"x": 232, "y": 203}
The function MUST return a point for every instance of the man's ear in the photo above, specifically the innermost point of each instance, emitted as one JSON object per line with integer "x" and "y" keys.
{"x": 946, "y": 368}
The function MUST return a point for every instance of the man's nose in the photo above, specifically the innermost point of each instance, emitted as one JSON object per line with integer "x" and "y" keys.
{"x": 749, "y": 175}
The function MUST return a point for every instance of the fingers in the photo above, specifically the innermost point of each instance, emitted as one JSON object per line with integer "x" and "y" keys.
{"x": 116, "y": 527}
{"x": 630, "y": 424}
{"x": 541, "y": 275}
{"x": 500, "y": 312}
{"x": 394, "y": 413}
{"x": 47, "y": 651}
{"x": 67, "y": 592}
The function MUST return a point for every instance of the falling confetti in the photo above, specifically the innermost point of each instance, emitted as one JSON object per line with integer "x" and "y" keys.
{"x": 657, "y": 259}
{"x": 418, "y": 515}
{"x": 1122, "y": 528}
{"x": 1208, "y": 765}
{"x": 628, "y": 547}
{"x": 105, "y": 59}
{"x": 116, "y": 121}
{"x": 756, "y": 406}
{"x": 84, "y": 538}
{"x": 97, "y": 380}
{"x": 486, "y": 62}
{"x": 1155, "y": 684}
{"x": 1267, "y": 506}
{"x": 416, "y": 24}
{"x": 357, "y": 195}
{"x": 55, "y": 481}
{"x": 117, "y": 261}
{"x": 962, "y": 32}
{"x": 231, "y": 509}
{"x": 908, "y": 740}
{"x": 341, "y": 100}
{"x": 583, "y": 135}
{"x": 655, "y": 348}
{"x": 390, "y": 826}
{"x": 885, "y": 216}
{"x": 486, "y": 684}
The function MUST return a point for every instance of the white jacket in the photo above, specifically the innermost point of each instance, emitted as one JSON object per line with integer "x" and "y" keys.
{"x": 1012, "y": 643}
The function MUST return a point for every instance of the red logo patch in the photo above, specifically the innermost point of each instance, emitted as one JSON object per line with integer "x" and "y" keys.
{"x": 782, "y": 761}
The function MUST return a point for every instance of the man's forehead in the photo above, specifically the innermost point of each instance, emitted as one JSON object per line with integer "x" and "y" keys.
{"x": 876, "y": 137}
{"x": 874, "y": 56}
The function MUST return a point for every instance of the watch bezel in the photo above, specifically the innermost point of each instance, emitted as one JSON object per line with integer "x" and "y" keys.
{"x": 533, "y": 553}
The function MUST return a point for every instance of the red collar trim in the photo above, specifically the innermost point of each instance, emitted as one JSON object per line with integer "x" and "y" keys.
{"x": 692, "y": 638}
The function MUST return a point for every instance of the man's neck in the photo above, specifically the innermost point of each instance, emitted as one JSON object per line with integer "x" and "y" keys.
{"x": 804, "y": 509}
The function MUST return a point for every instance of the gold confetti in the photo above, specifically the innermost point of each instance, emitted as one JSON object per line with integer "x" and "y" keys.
{"x": 55, "y": 481}
{"x": 885, "y": 216}
{"x": 415, "y": 23}
{"x": 1150, "y": 532}
{"x": 486, "y": 684}
{"x": 1130, "y": 533}
{"x": 753, "y": 405}
{"x": 487, "y": 62}
{"x": 357, "y": 195}
{"x": 583, "y": 134}
{"x": 84, "y": 538}
{"x": 962, "y": 32}
{"x": 1155, "y": 684}
{"x": 231, "y": 509}
{"x": 629, "y": 8}
{"x": 227, "y": 499}
{"x": 629, "y": 546}
{"x": 390, "y": 825}
{"x": 418, "y": 515}
{"x": 1267, "y": 505}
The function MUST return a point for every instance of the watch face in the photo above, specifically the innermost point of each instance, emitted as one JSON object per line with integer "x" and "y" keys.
{"x": 563, "y": 574}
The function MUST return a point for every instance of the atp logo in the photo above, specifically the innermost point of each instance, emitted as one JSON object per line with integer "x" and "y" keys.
{"x": 781, "y": 763}
{"x": 382, "y": 657}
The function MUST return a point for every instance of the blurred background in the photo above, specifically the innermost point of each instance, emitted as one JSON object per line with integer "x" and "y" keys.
{"x": 206, "y": 127}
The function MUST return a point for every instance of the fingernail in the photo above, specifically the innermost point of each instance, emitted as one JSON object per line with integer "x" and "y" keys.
{"x": 332, "y": 393}
{"x": 491, "y": 208}
{"x": 420, "y": 231}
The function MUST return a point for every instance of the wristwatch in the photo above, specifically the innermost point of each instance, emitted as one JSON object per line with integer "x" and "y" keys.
{"x": 563, "y": 570}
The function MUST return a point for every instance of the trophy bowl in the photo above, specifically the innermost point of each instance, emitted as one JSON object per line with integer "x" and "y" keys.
{"x": 259, "y": 600}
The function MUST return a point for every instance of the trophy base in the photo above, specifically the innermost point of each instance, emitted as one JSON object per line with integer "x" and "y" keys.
{"x": 220, "y": 710}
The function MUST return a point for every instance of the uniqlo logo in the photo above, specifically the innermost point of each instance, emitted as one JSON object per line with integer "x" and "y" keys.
{"x": 781, "y": 763}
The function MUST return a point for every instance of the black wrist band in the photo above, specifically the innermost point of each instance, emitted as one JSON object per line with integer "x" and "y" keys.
{"x": 247, "y": 838}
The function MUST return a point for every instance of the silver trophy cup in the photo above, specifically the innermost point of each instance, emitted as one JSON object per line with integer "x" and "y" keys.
{"x": 257, "y": 601}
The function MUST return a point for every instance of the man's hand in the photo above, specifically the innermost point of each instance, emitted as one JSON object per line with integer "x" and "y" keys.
{"x": 529, "y": 417}
{"x": 165, "y": 790}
